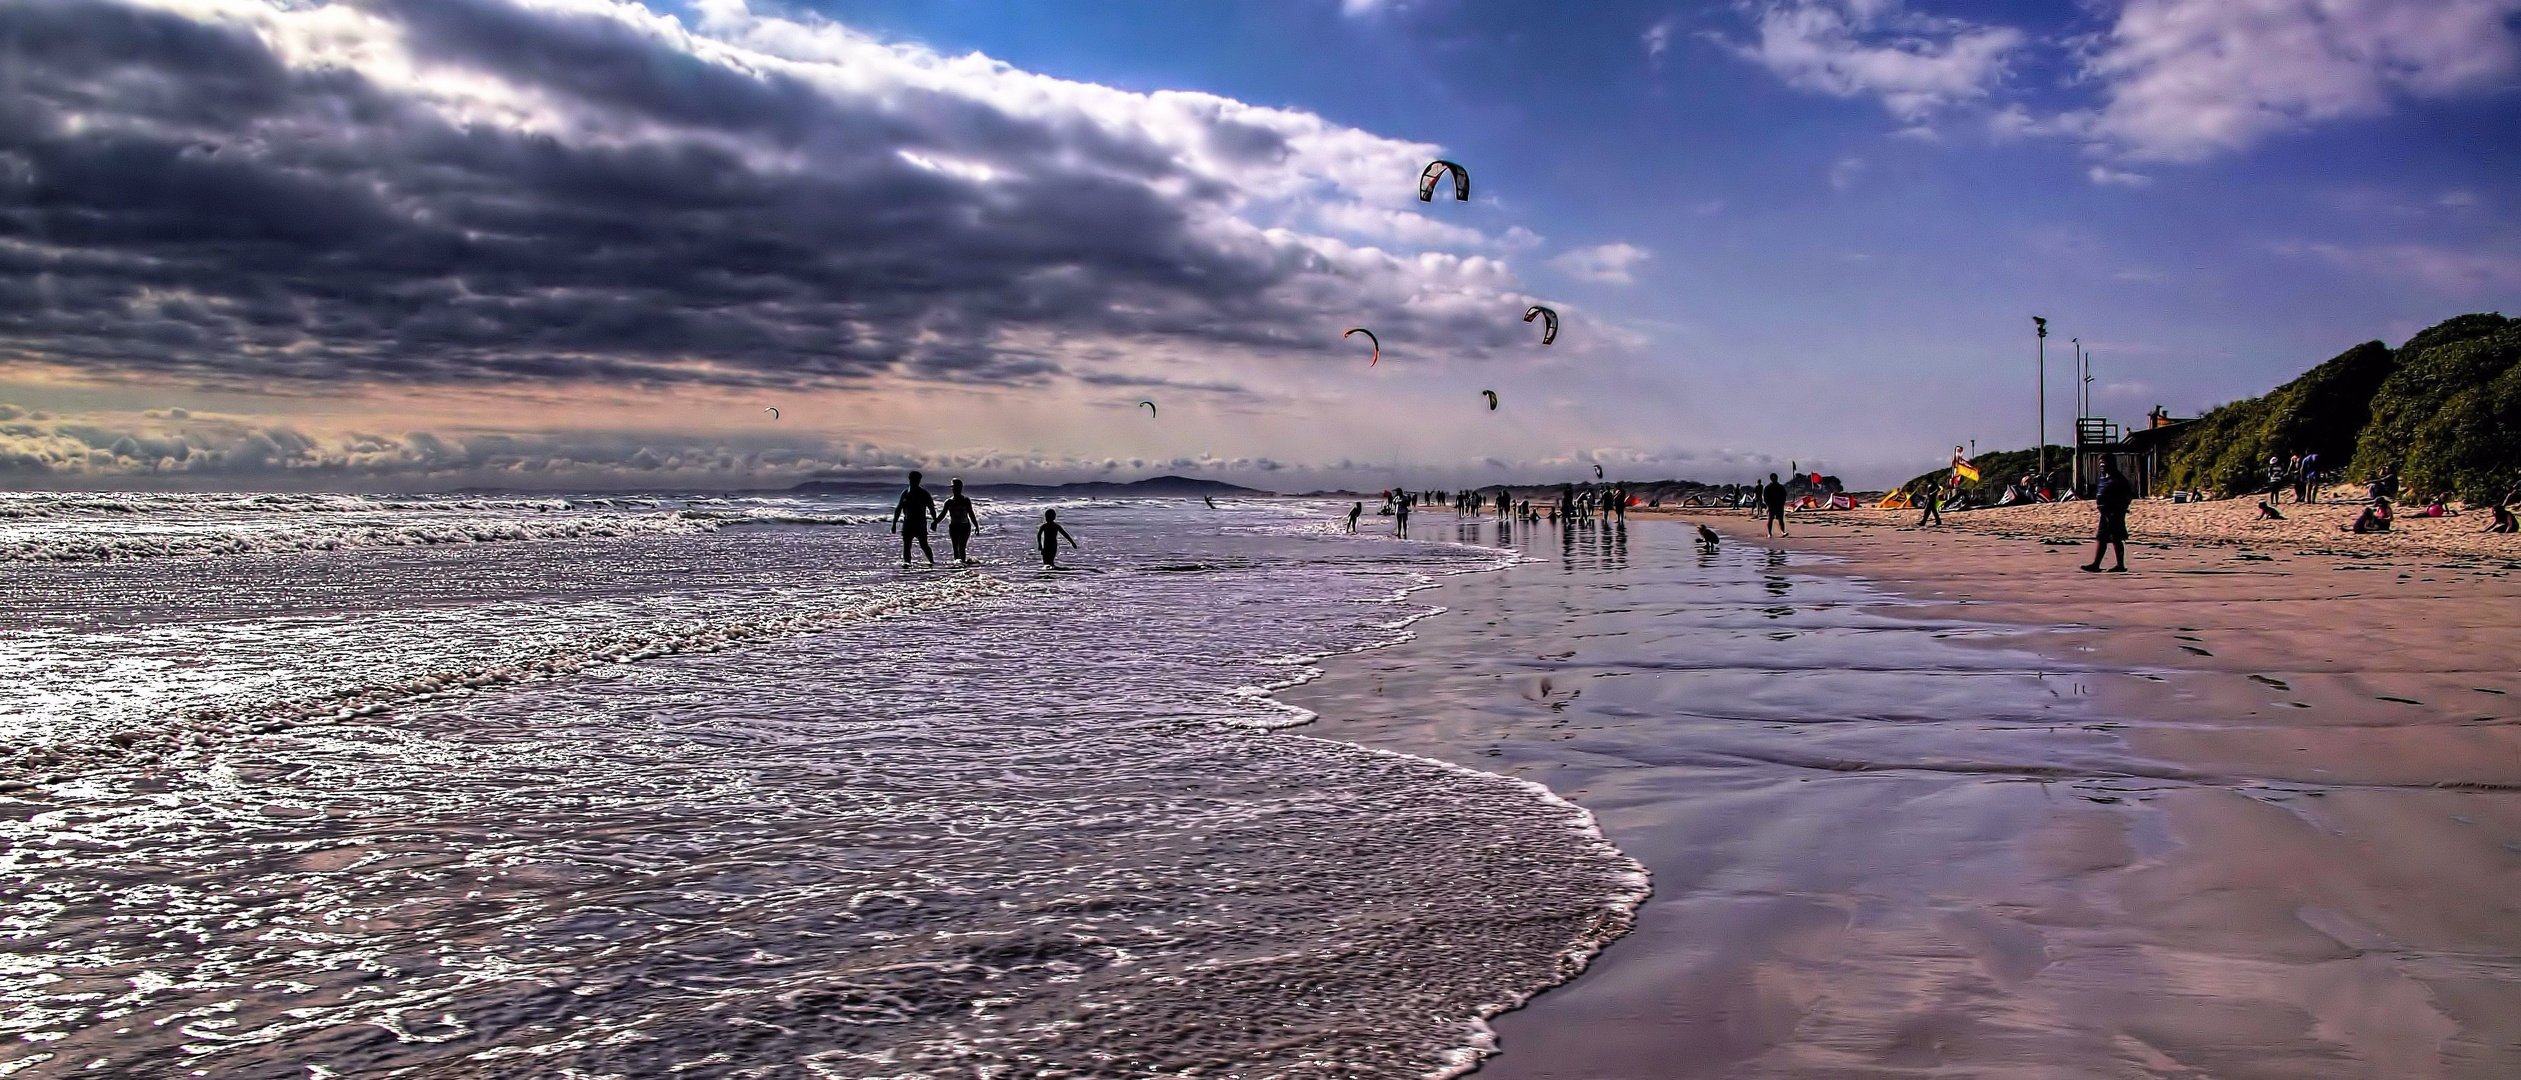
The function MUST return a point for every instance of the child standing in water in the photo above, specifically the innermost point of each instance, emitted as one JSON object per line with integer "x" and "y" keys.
{"x": 1048, "y": 537}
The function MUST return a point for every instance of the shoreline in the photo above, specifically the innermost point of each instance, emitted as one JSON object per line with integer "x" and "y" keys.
{"x": 2278, "y": 791}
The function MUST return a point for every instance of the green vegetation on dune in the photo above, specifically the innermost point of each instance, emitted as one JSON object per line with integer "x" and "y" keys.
{"x": 2443, "y": 410}
{"x": 2321, "y": 413}
{"x": 2449, "y": 420}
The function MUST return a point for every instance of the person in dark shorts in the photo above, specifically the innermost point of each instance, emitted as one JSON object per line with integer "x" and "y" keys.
{"x": 911, "y": 515}
{"x": 2113, "y": 496}
{"x": 1772, "y": 498}
{"x": 1353, "y": 511}
{"x": 1049, "y": 536}
{"x": 960, "y": 519}
{"x": 1933, "y": 512}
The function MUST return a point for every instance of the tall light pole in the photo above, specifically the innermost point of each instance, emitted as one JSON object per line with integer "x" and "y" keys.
{"x": 2042, "y": 324}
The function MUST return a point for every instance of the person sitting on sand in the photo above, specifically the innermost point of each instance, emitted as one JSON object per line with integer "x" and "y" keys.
{"x": 2504, "y": 521}
{"x": 1049, "y": 536}
{"x": 2267, "y": 511}
{"x": 2374, "y": 519}
{"x": 2113, "y": 495}
{"x": 2436, "y": 509}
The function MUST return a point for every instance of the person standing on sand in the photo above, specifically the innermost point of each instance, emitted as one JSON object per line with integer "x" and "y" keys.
{"x": 1048, "y": 537}
{"x": 1934, "y": 508}
{"x": 911, "y": 516}
{"x": 960, "y": 519}
{"x": 1772, "y": 498}
{"x": 2112, "y": 496}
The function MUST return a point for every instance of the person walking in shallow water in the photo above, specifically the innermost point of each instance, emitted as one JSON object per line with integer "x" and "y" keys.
{"x": 2112, "y": 496}
{"x": 1049, "y": 536}
{"x": 1772, "y": 499}
{"x": 1354, "y": 510}
{"x": 912, "y": 515}
{"x": 960, "y": 519}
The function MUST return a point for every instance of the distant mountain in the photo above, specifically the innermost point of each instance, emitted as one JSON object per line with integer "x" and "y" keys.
{"x": 1160, "y": 487}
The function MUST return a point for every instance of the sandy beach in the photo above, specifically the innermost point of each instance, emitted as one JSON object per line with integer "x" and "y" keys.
{"x": 1934, "y": 803}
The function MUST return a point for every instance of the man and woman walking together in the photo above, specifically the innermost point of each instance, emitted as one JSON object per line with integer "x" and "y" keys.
{"x": 916, "y": 511}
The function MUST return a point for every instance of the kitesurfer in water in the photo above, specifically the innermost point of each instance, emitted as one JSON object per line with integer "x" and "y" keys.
{"x": 960, "y": 519}
{"x": 911, "y": 515}
{"x": 1354, "y": 510}
{"x": 1048, "y": 537}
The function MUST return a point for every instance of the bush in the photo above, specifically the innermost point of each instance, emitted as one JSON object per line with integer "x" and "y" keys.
{"x": 2322, "y": 412}
{"x": 2449, "y": 420}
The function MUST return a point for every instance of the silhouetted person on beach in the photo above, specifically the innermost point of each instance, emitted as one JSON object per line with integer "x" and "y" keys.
{"x": 1355, "y": 510}
{"x": 1934, "y": 509}
{"x": 1049, "y": 536}
{"x": 2267, "y": 510}
{"x": 960, "y": 519}
{"x": 911, "y": 515}
{"x": 1400, "y": 513}
{"x": 2113, "y": 496}
{"x": 1772, "y": 498}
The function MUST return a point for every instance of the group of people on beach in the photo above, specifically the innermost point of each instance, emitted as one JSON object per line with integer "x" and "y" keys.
{"x": 916, "y": 511}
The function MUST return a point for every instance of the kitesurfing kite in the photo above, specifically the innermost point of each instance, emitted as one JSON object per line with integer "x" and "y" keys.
{"x": 1150, "y": 409}
{"x": 1549, "y": 322}
{"x": 1491, "y": 395}
{"x": 774, "y": 412}
{"x": 1378, "y": 343}
{"x": 1597, "y": 471}
{"x": 1436, "y": 170}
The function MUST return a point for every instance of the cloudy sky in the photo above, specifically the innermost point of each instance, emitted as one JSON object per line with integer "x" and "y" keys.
{"x": 574, "y": 243}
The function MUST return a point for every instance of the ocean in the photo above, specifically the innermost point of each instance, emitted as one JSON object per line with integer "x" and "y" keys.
{"x": 594, "y": 786}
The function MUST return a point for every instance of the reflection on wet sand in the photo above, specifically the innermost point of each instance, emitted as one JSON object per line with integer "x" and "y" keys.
{"x": 1894, "y": 839}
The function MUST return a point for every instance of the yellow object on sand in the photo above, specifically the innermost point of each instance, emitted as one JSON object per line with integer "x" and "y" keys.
{"x": 1897, "y": 500}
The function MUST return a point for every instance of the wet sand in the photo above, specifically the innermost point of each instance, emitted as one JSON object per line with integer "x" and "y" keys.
{"x": 1934, "y": 803}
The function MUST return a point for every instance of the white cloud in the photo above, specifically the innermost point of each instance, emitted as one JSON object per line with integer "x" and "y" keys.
{"x": 2449, "y": 271}
{"x": 1915, "y": 64}
{"x": 745, "y": 199}
{"x": 2186, "y": 79}
{"x": 1658, "y": 40}
{"x": 2103, "y": 174}
{"x": 1843, "y": 175}
{"x": 1608, "y": 263}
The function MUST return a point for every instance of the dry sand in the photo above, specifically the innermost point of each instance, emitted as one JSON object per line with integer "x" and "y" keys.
{"x": 2316, "y": 527}
{"x": 1948, "y": 807}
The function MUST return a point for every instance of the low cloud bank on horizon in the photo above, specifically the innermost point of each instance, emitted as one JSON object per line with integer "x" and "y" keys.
{"x": 179, "y": 449}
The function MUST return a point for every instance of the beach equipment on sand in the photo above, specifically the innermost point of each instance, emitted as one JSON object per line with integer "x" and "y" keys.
{"x": 1897, "y": 500}
{"x": 1439, "y": 169}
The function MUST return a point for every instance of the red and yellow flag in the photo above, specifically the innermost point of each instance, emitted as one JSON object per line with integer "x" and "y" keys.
{"x": 1961, "y": 466}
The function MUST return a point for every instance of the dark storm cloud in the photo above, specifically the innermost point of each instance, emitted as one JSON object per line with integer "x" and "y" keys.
{"x": 444, "y": 191}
